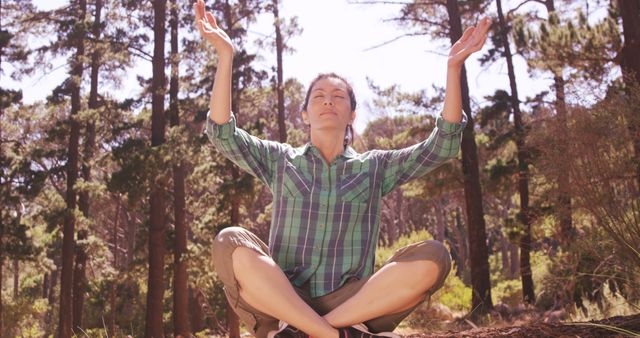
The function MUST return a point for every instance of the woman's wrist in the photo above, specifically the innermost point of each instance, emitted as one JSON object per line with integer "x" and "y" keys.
{"x": 454, "y": 67}
{"x": 225, "y": 55}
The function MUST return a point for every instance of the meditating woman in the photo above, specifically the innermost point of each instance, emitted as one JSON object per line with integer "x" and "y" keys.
{"x": 315, "y": 277}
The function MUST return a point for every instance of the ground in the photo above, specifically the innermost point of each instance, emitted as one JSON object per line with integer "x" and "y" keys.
{"x": 621, "y": 326}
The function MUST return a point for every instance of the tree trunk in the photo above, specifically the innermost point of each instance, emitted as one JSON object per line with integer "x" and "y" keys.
{"x": 68, "y": 232}
{"x": 564, "y": 188}
{"x": 282, "y": 131}
{"x": 630, "y": 13}
{"x": 130, "y": 238}
{"x": 16, "y": 278}
{"x": 463, "y": 248}
{"x": 79, "y": 277}
{"x": 79, "y": 274}
{"x": 523, "y": 167}
{"x": 197, "y": 315}
{"x": 480, "y": 282}
{"x": 564, "y": 197}
{"x": 45, "y": 286}
{"x": 154, "y": 323}
{"x": 180, "y": 283}
{"x": 112, "y": 289}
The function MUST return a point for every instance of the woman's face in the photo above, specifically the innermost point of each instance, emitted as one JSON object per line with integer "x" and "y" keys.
{"x": 329, "y": 105}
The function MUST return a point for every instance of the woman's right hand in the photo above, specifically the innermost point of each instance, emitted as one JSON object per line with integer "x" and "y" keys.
{"x": 209, "y": 30}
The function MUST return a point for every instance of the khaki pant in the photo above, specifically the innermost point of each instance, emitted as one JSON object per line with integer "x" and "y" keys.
{"x": 260, "y": 323}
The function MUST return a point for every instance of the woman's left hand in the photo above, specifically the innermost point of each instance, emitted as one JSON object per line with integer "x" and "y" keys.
{"x": 470, "y": 42}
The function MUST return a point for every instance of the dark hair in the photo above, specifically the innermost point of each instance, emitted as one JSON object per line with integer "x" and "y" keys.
{"x": 348, "y": 136}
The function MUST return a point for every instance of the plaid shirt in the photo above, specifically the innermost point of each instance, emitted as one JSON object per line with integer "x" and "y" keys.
{"x": 325, "y": 219}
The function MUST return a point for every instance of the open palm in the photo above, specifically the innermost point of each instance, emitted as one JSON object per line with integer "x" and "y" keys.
{"x": 209, "y": 29}
{"x": 470, "y": 42}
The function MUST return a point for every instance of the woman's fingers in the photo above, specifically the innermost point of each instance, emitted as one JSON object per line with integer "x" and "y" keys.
{"x": 206, "y": 26}
{"x": 211, "y": 20}
{"x": 197, "y": 6}
{"x": 201, "y": 8}
{"x": 467, "y": 34}
{"x": 480, "y": 34}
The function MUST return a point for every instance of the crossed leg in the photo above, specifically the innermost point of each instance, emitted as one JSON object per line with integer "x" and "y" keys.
{"x": 398, "y": 286}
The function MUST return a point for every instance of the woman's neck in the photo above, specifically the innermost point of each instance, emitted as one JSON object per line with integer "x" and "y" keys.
{"x": 330, "y": 143}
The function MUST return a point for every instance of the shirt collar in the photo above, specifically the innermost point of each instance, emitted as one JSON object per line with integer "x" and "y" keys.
{"x": 349, "y": 152}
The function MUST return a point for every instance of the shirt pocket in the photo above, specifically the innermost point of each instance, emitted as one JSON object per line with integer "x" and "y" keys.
{"x": 295, "y": 183}
{"x": 354, "y": 188}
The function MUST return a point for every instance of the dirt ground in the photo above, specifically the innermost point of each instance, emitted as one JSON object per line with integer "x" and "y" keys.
{"x": 610, "y": 327}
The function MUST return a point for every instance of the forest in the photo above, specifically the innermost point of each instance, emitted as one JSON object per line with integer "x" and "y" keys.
{"x": 110, "y": 202}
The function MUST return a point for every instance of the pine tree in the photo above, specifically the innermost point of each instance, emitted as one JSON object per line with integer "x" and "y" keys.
{"x": 154, "y": 324}
{"x": 79, "y": 277}
{"x": 68, "y": 243}
{"x": 523, "y": 166}
{"x": 481, "y": 285}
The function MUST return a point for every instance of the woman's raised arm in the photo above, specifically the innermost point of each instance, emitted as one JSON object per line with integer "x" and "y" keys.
{"x": 470, "y": 42}
{"x": 220, "y": 103}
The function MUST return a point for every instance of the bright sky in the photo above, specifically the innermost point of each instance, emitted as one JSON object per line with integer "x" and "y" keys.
{"x": 335, "y": 38}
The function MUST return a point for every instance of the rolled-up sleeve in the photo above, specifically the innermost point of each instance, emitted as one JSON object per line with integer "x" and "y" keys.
{"x": 250, "y": 153}
{"x": 414, "y": 161}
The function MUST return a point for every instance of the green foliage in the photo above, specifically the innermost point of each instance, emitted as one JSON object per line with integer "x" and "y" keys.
{"x": 561, "y": 42}
{"x": 24, "y": 314}
{"x": 454, "y": 294}
{"x": 586, "y": 273}
{"x": 507, "y": 292}
{"x": 384, "y": 253}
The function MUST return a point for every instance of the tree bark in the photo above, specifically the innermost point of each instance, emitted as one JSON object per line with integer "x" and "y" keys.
{"x": 180, "y": 278}
{"x": 68, "y": 232}
{"x": 112, "y": 289}
{"x": 45, "y": 285}
{"x": 630, "y": 13}
{"x": 282, "y": 131}
{"x": 523, "y": 166}
{"x": 197, "y": 314}
{"x": 154, "y": 323}
{"x": 480, "y": 282}
{"x": 16, "y": 278}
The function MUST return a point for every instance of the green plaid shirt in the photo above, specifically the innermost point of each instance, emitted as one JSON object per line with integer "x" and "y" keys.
{"x": 325, "y": 219}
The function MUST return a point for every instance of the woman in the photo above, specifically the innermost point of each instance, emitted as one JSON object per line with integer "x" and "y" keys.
{"x": 315, "y": 278}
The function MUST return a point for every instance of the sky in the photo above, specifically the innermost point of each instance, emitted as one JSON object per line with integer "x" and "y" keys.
{"x": 337, "y": 37}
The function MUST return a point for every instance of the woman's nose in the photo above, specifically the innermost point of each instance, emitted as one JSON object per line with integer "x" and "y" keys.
{"x": 328, "y": 102}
